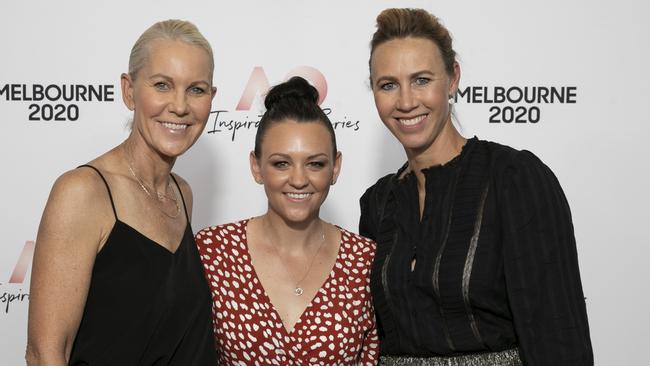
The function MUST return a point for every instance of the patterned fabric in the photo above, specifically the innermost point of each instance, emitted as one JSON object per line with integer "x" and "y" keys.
{"x": 337, "y": 328}
{"x": 503, "y": 358}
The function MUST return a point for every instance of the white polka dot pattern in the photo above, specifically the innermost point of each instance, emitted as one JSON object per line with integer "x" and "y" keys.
{"x": 337, "y": 328}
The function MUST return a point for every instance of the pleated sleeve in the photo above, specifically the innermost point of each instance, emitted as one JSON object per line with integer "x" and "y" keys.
{"x": 541, "y": 267}
{"x": 373, "y": 205}
{"x": 367, "y": 226}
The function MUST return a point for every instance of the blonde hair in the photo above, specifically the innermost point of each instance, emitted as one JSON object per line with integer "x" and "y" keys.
{"x": 171, "y": 30}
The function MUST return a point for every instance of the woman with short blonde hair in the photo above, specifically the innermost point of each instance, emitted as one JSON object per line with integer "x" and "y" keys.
{"x": 116, "y": 278}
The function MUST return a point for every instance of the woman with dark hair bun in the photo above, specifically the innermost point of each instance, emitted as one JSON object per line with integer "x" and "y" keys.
{"x": 476, "y": 259}
{"x": 287, "y": 287}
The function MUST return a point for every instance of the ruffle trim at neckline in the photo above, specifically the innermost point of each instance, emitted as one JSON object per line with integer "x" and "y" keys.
{"x": 438, "y": 168}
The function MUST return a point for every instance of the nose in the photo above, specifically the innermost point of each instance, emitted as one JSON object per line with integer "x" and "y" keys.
{"x": 178, "y": 103}
{"x": 407, "y": 100}
{"x": 298, "y": 177}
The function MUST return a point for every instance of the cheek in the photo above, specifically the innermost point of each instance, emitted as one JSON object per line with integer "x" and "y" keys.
{"x": 438, "y": 95}
{"x": 201, "y": 108}
{"x": 149, "y": 104}
{"x": 322, "y": 180}
{"x": 271, "y": 189}
{"x": 273, "y": 180}
{"x": 384, "y": 104}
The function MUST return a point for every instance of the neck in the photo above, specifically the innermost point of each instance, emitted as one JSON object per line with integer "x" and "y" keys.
{"x": 446, "y": 146}
{"x": 292, "y": 238}
{"x": 152, "y": 168}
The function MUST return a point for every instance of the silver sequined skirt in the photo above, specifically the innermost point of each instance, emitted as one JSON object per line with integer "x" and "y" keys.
{"x": 504, "y": 358}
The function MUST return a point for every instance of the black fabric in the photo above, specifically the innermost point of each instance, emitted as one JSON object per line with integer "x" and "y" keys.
{"x": 524, "y": 289}
{"x": 146, "y": 305}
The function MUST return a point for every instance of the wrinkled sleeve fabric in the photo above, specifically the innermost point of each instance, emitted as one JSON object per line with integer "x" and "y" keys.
{"x": 541, "y": 267}
{"x": 367, "y": 225}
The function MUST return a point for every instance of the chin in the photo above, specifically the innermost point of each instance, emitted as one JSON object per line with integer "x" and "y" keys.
{"x": 298, "y": 218}
{"x": 173, "y": 151}
{"x": 412, "y": 144}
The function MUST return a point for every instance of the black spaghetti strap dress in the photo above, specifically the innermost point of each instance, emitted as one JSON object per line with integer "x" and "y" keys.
{"x": 146, "y": 305}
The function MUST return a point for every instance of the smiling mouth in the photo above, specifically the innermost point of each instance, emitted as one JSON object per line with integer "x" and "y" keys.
{"x": 412, "y": 121}
{"x": 298, "y": 196}
{"x": 174, "y": 126}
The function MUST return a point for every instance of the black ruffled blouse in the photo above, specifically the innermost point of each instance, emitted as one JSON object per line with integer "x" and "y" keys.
{"x": 496, "y": 265}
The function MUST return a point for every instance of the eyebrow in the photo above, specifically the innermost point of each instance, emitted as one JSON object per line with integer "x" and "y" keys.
{"x": 170, "y": 79}
{"x": 412, "y": 75}
{"x": 286, "y": 156}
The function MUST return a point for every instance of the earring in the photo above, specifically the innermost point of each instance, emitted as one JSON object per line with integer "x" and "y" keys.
{"x": 258, "y": 181}
{"x": 452, "y": 101}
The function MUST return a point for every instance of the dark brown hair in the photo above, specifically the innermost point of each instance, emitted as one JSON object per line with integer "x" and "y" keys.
{"x": 296, "y": 100}
{"x": 403, "y": 23}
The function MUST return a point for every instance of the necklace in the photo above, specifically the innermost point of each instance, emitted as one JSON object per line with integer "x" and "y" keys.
{"x": 161, "y": 196}
{"x": 298, "y": 290}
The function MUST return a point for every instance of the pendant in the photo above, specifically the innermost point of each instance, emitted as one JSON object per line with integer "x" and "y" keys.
{"x": 298, "y": 291}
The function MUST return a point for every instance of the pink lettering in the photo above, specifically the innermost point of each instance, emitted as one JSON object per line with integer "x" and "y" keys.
{"x": 24, "y": 261}
{"x": 258, "y": 82}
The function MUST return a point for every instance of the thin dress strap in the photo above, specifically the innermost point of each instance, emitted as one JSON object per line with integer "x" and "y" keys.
{"x": 110, "y": 196}
{"x": 187, "y": 217}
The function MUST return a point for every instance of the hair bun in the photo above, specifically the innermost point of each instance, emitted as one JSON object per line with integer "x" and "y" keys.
{"x": 294, "y": 88}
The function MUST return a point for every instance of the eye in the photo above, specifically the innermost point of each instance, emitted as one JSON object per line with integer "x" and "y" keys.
{"x": 161, "y": 86}
{"x": 317, "y": 164}
{"x": 280, "y": 164}
{"x": 388, "y": 86}
{"x": 197, "y": 90}
{"x": 421, "y": 81}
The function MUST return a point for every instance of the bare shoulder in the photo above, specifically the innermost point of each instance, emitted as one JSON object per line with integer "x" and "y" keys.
{"x": 79, "y": 202}
{"x": 186, "y": 190}
{"x": 78, "y": 189}
{"x": 182, "y": 183}
{"x": 75, "y": 223}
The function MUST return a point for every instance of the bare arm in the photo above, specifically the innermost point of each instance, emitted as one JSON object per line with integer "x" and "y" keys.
{"x": 73, "y": 226}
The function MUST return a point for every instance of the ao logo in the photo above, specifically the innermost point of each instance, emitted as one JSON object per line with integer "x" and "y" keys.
{"x": 259, "y": 83}
{"x": 23, "y": 263}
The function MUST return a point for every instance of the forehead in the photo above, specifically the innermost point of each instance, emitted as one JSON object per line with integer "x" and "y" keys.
{"x": 291, "y": 137}
{"x": 177, "y": 58}
{"x": 406, "y": 54}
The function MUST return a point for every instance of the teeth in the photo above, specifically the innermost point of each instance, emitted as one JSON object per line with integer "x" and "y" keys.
{"x": 298, "y": 196}
{"x": 412, "y": 121}
{"x": 174, "y": 126}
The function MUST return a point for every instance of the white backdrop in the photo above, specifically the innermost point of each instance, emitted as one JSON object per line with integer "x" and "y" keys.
{"x": 597, "y": 145}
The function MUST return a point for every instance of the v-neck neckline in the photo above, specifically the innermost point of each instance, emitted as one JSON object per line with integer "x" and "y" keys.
{"x": 273, "y": 309}
{"x": 153, "y": 242}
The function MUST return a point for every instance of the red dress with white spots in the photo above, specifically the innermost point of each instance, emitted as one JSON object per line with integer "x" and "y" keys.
{"x": 337, "y": 328}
